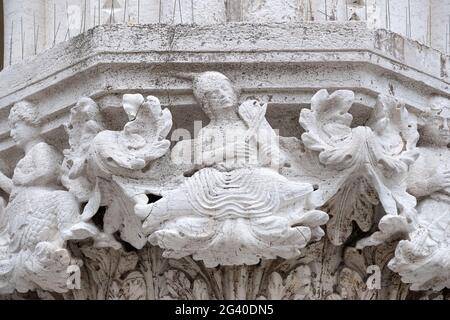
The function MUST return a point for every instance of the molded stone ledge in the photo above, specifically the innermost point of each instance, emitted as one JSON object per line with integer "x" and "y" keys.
{"x": 153, "y": 44}
{"x": 287, "y": 63}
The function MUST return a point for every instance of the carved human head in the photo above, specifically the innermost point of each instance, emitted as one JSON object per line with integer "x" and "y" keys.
{"x": 215, "y": 92}
{"x": 24, "y": 122}
{"x": 436, "y": 122}
{"x": 85, "y": 109}
{"x": 85, "y": 116}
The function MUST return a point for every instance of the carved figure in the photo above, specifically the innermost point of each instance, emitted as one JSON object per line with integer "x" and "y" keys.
{"x": 244, "y": 200}
{"x": 98, "y": 156}
{"x": 236, "y": 208}
{"x": 40, "y": 216}
{"x": 424, "y": 259}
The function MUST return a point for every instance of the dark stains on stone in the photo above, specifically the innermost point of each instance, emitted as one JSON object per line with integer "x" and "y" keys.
{"x": 391, "y": 43}
{"x": 444, "y": 61}
{"x": 391, "y": 89}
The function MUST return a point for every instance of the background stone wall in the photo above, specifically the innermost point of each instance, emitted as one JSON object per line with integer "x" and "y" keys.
{"x": 34, "y": 26}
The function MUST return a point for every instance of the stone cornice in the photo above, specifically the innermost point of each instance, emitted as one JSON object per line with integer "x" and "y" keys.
{"x": 307, "y": 56}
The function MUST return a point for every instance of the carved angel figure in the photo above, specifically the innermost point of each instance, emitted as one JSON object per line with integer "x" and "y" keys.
{"x": 236, "y": 208}
{"x": 424, "y": 259}
{"x": 98, "y": 155}
{"x": 361, "y": 166}
{"x": 40, "y": 216}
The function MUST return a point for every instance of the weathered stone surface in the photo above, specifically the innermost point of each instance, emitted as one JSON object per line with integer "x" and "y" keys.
{"x": 265, "y": 158}
{"x": 269, "y": 60}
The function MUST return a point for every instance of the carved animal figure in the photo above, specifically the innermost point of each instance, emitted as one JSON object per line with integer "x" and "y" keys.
{"x": 40, "y": 216}
{"x": 97, "y": 156}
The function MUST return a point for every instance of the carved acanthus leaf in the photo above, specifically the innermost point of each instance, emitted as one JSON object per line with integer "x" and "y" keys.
{"x": 354, "y": 201}
{"x": 112, "y": 272}
{"x": 296, "y": 286}
{"x": 181, "y": 288}
{"x": 143, "y": 139}
{"x": 371, "y": 163}
{"x": 358, "y": 266}
{"x": 133, "y": 287}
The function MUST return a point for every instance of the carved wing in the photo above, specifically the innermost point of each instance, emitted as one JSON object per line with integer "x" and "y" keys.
{"x": 395, "y": 132}
{"x": 143, "y": 138}
{"x": 327, "y": 127}
{"x": 121, "y": 153}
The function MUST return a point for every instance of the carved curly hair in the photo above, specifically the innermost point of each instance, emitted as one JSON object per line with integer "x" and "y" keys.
{"x": 24, "y": 111}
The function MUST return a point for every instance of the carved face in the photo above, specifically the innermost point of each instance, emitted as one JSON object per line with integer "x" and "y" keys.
{"x": 437, "y": 130}
{"x": 23, "y": 133}
{"x": 215, "y": 93}
{"x": 221, "y": 98}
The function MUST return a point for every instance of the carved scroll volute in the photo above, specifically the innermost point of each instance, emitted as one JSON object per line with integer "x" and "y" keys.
{"x": 370, "y": 163}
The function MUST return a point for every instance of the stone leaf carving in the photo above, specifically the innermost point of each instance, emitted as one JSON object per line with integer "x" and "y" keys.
{"x": 423, "y": 260}
{"x": 114, "y": 275}
{"x": 97, "y": 156}
{"x": 181, "y": 288}
{"x": 232, "y": 208}
{"x": 359, "y": 268}
{"x": 236, "y": 208}
{"x": 351, "y": 286}
{"x": 109, "y": 274}
{"x": 40, "y": 216}
{"x": 367, "y": 164}
{"x": 296, "y": 286}
{"x": 271, "y": 279}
